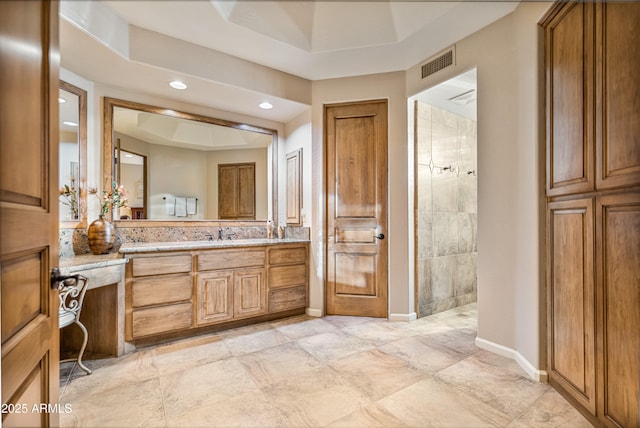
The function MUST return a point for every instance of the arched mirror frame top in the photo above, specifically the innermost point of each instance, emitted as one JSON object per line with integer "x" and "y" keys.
{"x": 108, "y": 144}
{"x": 82, "y": 157}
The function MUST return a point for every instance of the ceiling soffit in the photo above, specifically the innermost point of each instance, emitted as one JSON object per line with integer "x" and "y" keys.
{"x": 331, "y": 26}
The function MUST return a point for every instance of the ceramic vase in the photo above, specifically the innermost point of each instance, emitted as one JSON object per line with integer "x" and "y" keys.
{"x": 102, "y": 236}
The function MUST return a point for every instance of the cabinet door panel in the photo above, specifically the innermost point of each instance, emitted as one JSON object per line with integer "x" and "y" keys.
{"x": 214, "y": 298}
{"x": 570, "y": 108}
{"x": 224, "y": 259}
{"x": 161, "y": 319}
{"x": 286, "y": 276}
{"x": 618, "y": 151}
{"x": 571, "y": 322}
{"x": 158, "y": 265}
{"x": 154, "y": 290}
{"x": 619, "y": 308}
{"x": 249, "y": 293}
{"x": 279, "y": 256}
{"x": 287, "y": 298}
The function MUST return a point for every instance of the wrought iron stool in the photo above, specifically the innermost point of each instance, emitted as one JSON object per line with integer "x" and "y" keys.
{"x": 72, "y": 291}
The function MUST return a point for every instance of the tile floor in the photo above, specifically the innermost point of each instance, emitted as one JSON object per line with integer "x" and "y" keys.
{"x": 332, "y": 371}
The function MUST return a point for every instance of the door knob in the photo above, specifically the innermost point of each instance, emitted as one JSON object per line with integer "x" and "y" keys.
{"x": 57, "y": 278}
{"x": 379, "y": 236}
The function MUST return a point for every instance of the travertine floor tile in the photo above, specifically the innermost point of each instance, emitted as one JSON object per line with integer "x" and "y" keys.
{"x": 376, "y": 373}
{"x": 315, "y": 398}
{"x": 279, "y": 363}
{"x": 117, "y": 405}
{"x": 306, "y": 328}
{"x": 170, "y": 359}
{"x": 371, "y": 416}
{"x": 431, "y": 403}
{"x": 551, "y": 410}
{"x": 333, "y": 346}
{"x": 419, "y": 355}
{"x": 256, "y": 341}
{"x": 205, "y": 385}
{"x": 303, "y": 371}
{"x": 246, "y": 410}
{"x": 504, "y": 390}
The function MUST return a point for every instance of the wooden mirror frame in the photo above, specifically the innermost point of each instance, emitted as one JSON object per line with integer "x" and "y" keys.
{"x": 82, "y": 157}
{"x": 294, "y": 188}
{"x": 108, "y": 136}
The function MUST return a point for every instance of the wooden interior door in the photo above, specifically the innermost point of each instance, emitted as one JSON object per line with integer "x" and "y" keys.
{"x": 357, "y": 263}
{"x": 29, "y": 211}
{"x": 237, "y": 191}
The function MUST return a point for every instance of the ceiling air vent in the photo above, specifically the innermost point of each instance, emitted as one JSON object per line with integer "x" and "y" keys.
{"x": 438, "y": 63}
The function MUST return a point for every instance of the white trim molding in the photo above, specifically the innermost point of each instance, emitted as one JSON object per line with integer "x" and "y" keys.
{"x": 314, "y": 312}
{"x": 534, "y": 373}
{"x": 403, "y": 317}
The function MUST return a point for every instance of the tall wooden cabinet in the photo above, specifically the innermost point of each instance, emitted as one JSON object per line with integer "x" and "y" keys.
{"x": 592, "y": 61}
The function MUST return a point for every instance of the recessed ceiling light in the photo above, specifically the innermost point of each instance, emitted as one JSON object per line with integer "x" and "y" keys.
{"x": 68, "y": 123}
{"x": 265, "y": 105}
{"x": 176, "y": 84}
{"x": 61, "y": 100}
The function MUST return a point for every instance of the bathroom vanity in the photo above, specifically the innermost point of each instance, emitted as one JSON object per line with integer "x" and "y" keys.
{"x": 177, "y": 289}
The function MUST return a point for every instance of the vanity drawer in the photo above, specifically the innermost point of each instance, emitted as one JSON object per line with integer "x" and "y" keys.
{"x": 159, "y": 265}
{"x": 161, "y": 289}
{"x": 287, "y": 298}
{"x": 161, "y": 319}
{"x": 279, "y": 256}
{"x": 224, "y": 259}
{"x": 287, "y": 276}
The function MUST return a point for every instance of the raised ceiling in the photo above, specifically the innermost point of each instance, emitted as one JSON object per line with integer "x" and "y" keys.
{"x": 310, "y": 39}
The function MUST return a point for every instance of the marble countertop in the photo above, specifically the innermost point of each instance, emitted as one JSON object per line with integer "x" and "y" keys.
{"x": 79, "y": 263}
{"x": 143, "y": 247}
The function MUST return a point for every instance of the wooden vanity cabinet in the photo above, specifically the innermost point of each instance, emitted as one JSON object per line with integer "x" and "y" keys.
{"x": 168, "y": 293}
{"x": 158, "y": 294}
{"x": 288, "y": 277}
{"x": 230, "y": 285}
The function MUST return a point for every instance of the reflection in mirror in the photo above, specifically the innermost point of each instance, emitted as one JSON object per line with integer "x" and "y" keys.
{"x": 72, "y": 155}
{"x": 183, "y": 154}
{"x": 132, "y": 174}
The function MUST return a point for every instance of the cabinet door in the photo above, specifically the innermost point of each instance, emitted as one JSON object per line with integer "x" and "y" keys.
{"x": 237, "y": 191}
{"x": 570, "y": 299}
{"x": 214, "y": 297}
{"x": 619, "y": 309}
{"x": 618, "y": 142}
{"x": 249, "y": 293}
{"x": 569, "y": 51}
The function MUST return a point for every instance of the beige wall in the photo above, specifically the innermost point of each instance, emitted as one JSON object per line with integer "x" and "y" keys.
{"x": 388, "y": 86}
{"x": 509, "y": 226}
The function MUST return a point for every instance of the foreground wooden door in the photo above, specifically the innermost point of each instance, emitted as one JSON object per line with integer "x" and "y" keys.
{"x": 29, "y": 211}
{"x": 356, "y": 149}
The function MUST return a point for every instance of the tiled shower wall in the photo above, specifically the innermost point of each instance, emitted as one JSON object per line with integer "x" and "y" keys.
{"x": 447, "y": 209}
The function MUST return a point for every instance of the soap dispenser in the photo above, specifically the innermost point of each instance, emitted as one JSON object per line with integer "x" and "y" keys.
{"x": 269, "y": 229}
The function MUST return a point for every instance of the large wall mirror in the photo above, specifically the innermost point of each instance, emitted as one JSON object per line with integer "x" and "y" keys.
{"x": 72, "y": 155}
{"x": 182, "y": 166}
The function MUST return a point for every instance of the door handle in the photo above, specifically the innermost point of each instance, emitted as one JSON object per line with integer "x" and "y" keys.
{"x": 379, "y": 236}
{"x": 56, "y": 278}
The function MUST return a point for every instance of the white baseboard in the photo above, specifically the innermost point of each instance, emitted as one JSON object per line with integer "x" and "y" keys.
{"x": 314, "y": 312}
{"x": 403, "y": 317}
{"x": 534, "y": 373}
